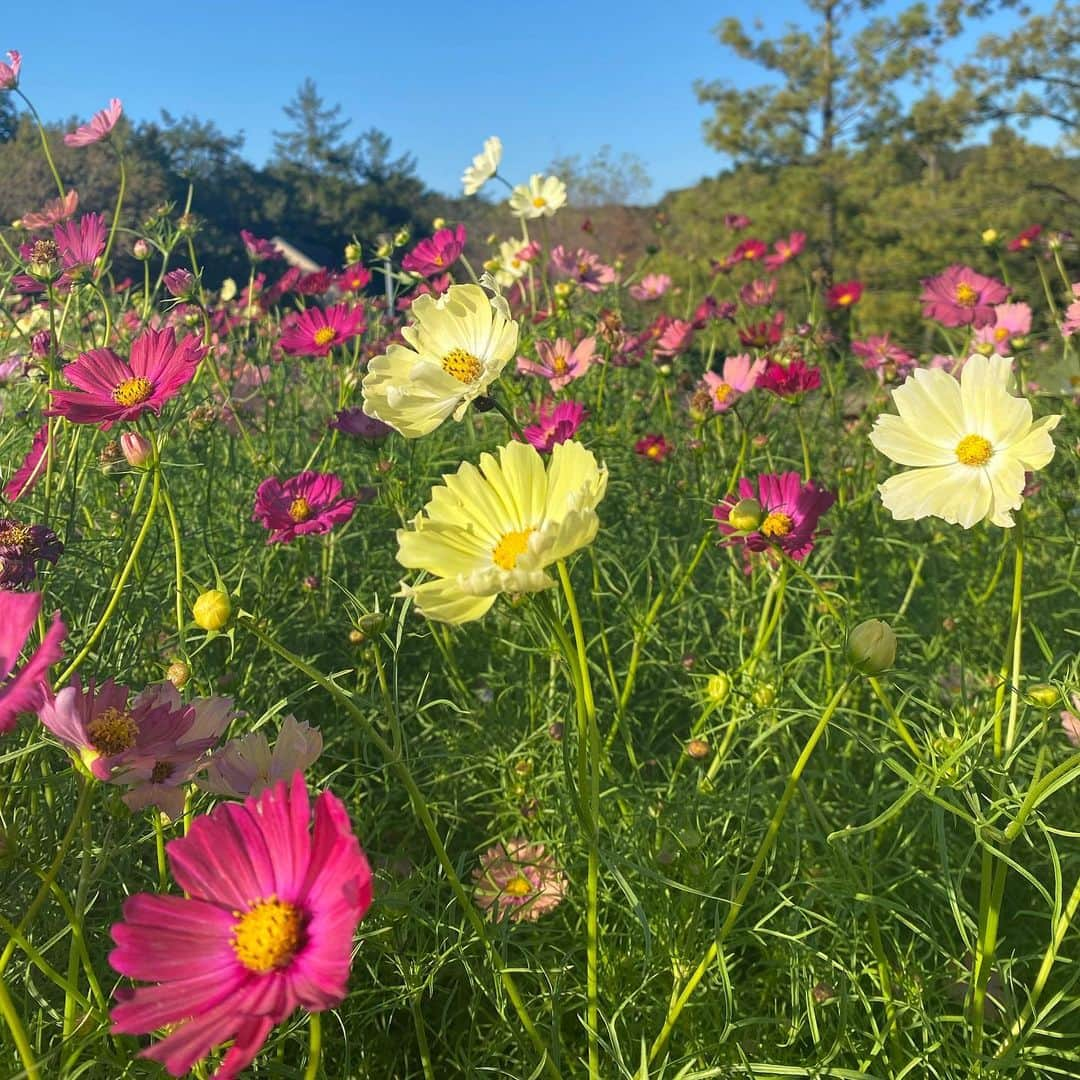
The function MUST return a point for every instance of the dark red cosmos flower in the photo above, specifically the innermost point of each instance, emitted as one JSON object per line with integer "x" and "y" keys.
{"x": 308, "y": 503}
{"x": 789, "y": 380}
{"x": 843, "y": 294}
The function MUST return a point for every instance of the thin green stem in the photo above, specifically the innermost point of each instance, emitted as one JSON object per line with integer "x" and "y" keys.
{"x": 178, "y": 563}
{"x": 44, "y": 142}
{"x": 314, "y": 1046}
{"x": 116, "y": 211}
{"x": 18, "y": 1033}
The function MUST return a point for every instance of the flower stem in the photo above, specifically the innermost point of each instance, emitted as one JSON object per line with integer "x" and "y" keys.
{"x": 314, "y": 1046}
{"x": 18, "y": 1033}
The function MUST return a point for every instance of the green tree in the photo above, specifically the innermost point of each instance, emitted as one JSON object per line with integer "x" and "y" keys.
{"x": 603, "y": 179}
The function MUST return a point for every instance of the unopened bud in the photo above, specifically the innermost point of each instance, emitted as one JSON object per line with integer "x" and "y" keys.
{"x": 697, "y": 749}
{"x": 764, "y": 695}
{"x": 745, "y": 515}
{"x": 871, "y": 647}
{"x": 353, "y": 252}
{"x": 989, "y": 237}
{"x": 1044, "y": 695}
{"x": 213, "y": 610}
{"x": 439, "y": 223}
{"x": 178, "y": 674}
{"x": 137, "y": 448}
{"x": 718, "y": 687}
{"x": 141, "y": 249}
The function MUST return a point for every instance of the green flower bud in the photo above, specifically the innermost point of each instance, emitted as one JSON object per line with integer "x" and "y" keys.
{"x": 871, "y": 647}
{"x": 1044, "y": 695}
{"x": 213, "y": 610}
{"x": 718, "y": 687}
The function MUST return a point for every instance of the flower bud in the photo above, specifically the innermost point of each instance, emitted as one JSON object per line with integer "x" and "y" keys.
{"x": 871, "y": 647}
{"x": 989, "y": 237}
{"x": 178, "y": 674}
{"x": 212, "y": 610}
{"x": 353, "y": 253}
{"x": 180, "y": 283}
{"x": 697, "y": 749}
{"x": 401, "y": 237}
{"x": 137, "y": 448}
{"x": 764, "y": 695}
{"x": 718, "y": 687}
{"x": 745, "y": 515}
{"x": 141, "y": 250}
{"x": 439, "y": 223}
{"x": 1044, "y": 695}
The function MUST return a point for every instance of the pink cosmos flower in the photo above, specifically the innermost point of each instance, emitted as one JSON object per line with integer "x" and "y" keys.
{"x": 961, "y": 296}
{"x": 24, "y": 690}
{"x": 21, "y": 546}
{"x": 247, "y": 766}
{"x": 1025, "y": 239}
{"x": 785, "y": 250}
{"x": 555, "y": 424}
{"x": 80, "y": 243}
{"x": 9, "y": 73}
{"x": 779, "y": 511}
{"x": 653, "y": 447}
{"x": 112, "y": 390}
{"x": 1011, "y": 322}
{"x": 53, "y": 212}
{"x": 762, "y": 335}
{"x": 357, "y": 423}
{"x": 740, "y": 375}
{"x": 31, "y": 470}
{"x": 353, "y": 278}
{"x": 879, "y": 355}
{"x": 315, "y": 332}
{"x": 674, "y": 338}
{"x": 651, "y": 287}
{"x": 437, "y": 253}
{"x": 560, "y": 362}
{"x": 749, "y": 250}
{"x": 789, "y": 380}
{"x": 737, "y": 222}
{"x": 302, "y": 505}
{"x": 518, "y": 881}
{"x": 583, "y": 266}
{"x": 843, "y": 294}
{"x": 266, "y": 924}
{"x": 1070, "y": 720}
{"x": 1071, "y": 322}
{"x": 102, "y": 123}
{"x": 257, "y": 248}
{"x": 759, "y": 292}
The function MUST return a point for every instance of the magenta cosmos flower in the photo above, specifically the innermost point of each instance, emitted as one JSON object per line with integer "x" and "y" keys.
{"x": 266, "y": 924}
{"x": 778, "y": 512}
{"x": 81, "y": 242}
{"x": 315, "y": 332}
{"x": 308, "y": 503}
{"x": 258, "y": 248}
{"x": 785, "y": 250}
{"x": 9, "y": 72}
{"x": 100, "y": 125}
{"x": 53, "y": 212}
{"x": 24, "y": 690}
{"x": 843, "y": 294}
{"x": 518, "y": 881}
{"x": 789, "y": 380}
{"x": 555, "y": 424}
{"x": 560, "y": 362}
{"x": 112, "y": 390}
{"x": 25, "y": 478}
{"x": 739, "y": 376}
{"x": 437, "y": 253}
{"x": 960, "y": 296}
{"x": 653, "y": 447}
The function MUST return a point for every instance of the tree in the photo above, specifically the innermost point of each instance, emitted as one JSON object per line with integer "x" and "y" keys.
{"x": 603, "y": 180}
{"x": 9, "y": 120}
{"x": 316, "y": 143}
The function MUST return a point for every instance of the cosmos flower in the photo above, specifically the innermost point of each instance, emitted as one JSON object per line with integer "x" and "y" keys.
{"x": 843, "y": 294}
{"x": 483, "y": 167}
{"x": 778, "y": 511}
{"x": 881, "y": 356}
{"x": 32, "y": 469}
{"x": 739, "y": 376}
{"x": 762, "y": 335}
{"x": 80, "y": 243}
{"x": 112, "y": 390}
{"x": 1025, "y": 239}
{"x": 759, "y": 292}
{"x": 99, "y": 127}
{"x": 650, "y": 287}
{"x": 737, "y": 222}
{"x": 437, "y": 253}
{"x": 518, "y": 881}
{"x": 9, "y": 72}
{"x": 20, "y": 548}
{"x": 960, "y": 296}
{"x": 315, "y": 332}
{"x": 560, "y": 362}
{"x": 1070, "y": 720}
{"x": 1012, "y": 322}
{"x": 24, "y": 689}
{"x": 496, "y": 528}
{"x": 257, "y": 248}
{"x": 653, "y": 447}
{"x": 542, "y": 196}
{"x": 1071, "y": 323}
{"x": 969, "y": 444}
{"x": 789, "y": 380}
{"x": 456, "y": 346}
{"x": 357, "y": 423}
{"x": 247, "y": 766}
{"x": 302, "y": 505}
{"x": 353, "y": 278}
{"x": 555, "y": 424}
{"x": 265, "y": 924}
{"x": 674, "y": 338}
{"x": 583, "y": 267}
{"x": 784, "y": 251}
{"x": 52, "y": 213}
{"x": 509, "y": 265}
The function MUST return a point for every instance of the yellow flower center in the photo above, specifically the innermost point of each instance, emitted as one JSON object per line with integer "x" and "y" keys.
{"x": 539, "y": 202}
{"x": 559, "y": 365}
{"x": 974, "y": 450}
{"x": 776, "y": 524}
{"x": 1000, "y": 333}
{"x": 438, "y": 260}
{"x": 510, "y": 547}
{"x": 324, "y": 335}
{"x": 133, "y": 391}
{"x": 654, "y": 451}
{"x": 966, "y": 295}
{"x": 300, "y": 509}
{"x": 722, "y": 391}
{"x": 267, "y": 935}
{"x": 16, "y": 535}
{"x": 462, "y": 365}
{"x": 112, "y": 732}
{"x": 518, "y": 885}
{"x": 161, "y": 771}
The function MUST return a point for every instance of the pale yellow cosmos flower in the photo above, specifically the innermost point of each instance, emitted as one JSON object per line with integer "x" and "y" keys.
{"x": 970, "y": 443}
{"x": 540, "y": 197}
{"x": 483, "y": 167}
{"x": 495, "y": 529}
{"x": 457, "y": 344}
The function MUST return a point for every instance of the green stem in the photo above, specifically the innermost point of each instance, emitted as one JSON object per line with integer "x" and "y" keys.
{"x": 18, "y": 1033}
{"x": 44, "y": 143}
{"x": 116, "y": 212}
{"x": 314, "y": 1046}
{"x": 763, "y": 852}
{"x": 178, "y": 563}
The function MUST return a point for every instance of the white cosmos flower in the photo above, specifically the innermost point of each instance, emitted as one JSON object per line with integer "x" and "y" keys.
{"x": 507, "y": 267}
{"x": 457, "y": 344}
{"x": 540, "y": 197}
{"x": 483, "y": 167}
{"x": 969, "y": 442}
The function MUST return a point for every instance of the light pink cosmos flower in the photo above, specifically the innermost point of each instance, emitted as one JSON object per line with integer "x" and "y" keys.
{"x": 651, "y": 287}
{"x": 25, "y": 478}
{"x": 266, "y": 924}
{"x": 1011, "y": 321}
{"x": 560, "y": 362}
{"x": 740, "y": 375}
{"x": 518, "y": 881}
{"x": 1071, "y": 323}
{"x": 555, "y": 424}
{"x": 582, "y": 266}
{"x": 247, "y": 766}
{"x": 759, "y": 292}
{"x": 53, "y": 212}
{"x": 437, "y": 253}
{"x": 883, "y": 357}
{"x": 674, "y": 338}
{"x": 99, "y": 127}
{"x": 304, "y": 504}
{"x": 80, "y": 242}
{"x": 961, "y": 296}
{"x": 784, "y": 251}
{"x": 1070, "y": 720}
{"x": 9, "y": 72}
{"x": 112, "y": 390}
{"x": 24, "y": 690}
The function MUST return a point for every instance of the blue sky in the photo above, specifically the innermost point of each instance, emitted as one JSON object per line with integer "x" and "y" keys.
{"x": 550, "y": 78}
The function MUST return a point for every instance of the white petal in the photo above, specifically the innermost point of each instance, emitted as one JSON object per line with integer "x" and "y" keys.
{"x": 959, "y": 494}
{"x": 906, "y": 445}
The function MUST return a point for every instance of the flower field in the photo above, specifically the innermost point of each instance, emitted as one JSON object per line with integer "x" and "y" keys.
{"x": 487, "y": 658}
